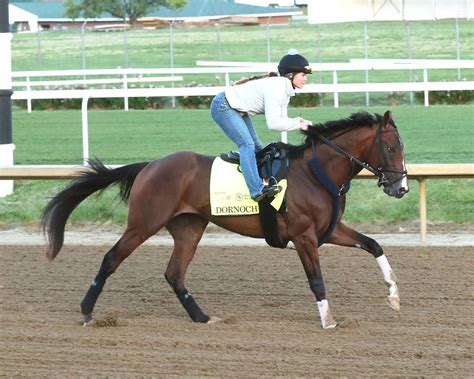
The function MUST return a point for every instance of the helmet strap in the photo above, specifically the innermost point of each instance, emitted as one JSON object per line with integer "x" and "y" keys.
{"x": 290, "y": 77}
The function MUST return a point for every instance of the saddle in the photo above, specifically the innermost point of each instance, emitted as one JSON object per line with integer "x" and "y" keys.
{"x": 272, "y": 163}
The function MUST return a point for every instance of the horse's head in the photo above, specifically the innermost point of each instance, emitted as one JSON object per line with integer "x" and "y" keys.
{"x": 388, "y": 158}
{"x": 378, "y": 148}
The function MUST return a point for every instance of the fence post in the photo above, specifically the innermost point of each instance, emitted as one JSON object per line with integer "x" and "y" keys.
{"x": 318, "y": 46}
{"x": 219, "y": 51}
{"x": 125, "y": 97}
{"x": 425, "y": 80}
{"x": 125, "y": 47}
{"x": 407, "y": 24}
{"x": 336, "y": 94}
{"x": 173, "y": 99}
{"x": 458, "y": 46}
{"x": 366, "y": 48}
{"x": 423, "y": 223}
{"x": 227, "y": 79}
{"x": 28, "y": 90}
{"x": 83, "y": 49}
{"x": 85, "y": 130}
{"x": 6, "y": 138}
{"x": 269, "y": 53}
{"x": 38, "y": 48}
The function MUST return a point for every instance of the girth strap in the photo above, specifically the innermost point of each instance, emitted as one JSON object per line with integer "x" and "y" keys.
{"x": 268, "y": 220}
{"x": 336, "y": 193}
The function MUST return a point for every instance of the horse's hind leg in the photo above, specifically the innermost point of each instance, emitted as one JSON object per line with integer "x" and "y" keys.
{"x": 187, "y": 230}
{"x": 345, "y": 236}
{"x": 129, "y": 241}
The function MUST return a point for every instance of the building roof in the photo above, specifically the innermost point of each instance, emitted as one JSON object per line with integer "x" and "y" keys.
{"x": 42, "y": 10}
{"x": 17, "y": 14}
{"x": 214, "y": 8}
{"x": 55, "y": 10}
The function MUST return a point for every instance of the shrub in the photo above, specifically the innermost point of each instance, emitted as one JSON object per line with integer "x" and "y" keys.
{"x": 195, "y": 102}
{"x": 395, "y": 98}
{"x": 447, "y": 97}
{"x": 306, "y": 100}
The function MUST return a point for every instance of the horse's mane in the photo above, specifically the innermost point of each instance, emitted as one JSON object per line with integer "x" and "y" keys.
{"x": 331, "y": 129}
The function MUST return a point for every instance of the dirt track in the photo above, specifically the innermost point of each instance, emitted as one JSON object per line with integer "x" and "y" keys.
{"x": 270, "y": 327}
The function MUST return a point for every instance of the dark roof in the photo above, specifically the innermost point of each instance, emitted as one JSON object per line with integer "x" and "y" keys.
{"x": 49, "y": 10}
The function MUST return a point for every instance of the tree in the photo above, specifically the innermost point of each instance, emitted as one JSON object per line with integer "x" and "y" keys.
{"x": 128, "y": 10}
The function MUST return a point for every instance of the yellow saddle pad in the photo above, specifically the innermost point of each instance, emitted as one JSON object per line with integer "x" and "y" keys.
{"x": 229, "y": 193}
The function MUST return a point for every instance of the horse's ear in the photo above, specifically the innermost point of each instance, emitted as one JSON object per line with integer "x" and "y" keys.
{"x": 387, "y": 117}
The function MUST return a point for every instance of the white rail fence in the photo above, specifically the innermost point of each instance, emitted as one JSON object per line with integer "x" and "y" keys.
{"x": 124, "y": 81}
{"x": 420, "y": 172}
{"x": 126, "y": 76}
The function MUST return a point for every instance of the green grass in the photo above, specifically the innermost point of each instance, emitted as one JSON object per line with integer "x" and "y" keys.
{"x": 338, "y": 43}
{"x": 441, "y": 134}
{"x": 150, "y": 48}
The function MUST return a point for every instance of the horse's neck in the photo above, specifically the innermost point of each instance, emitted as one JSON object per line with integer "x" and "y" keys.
{"x": 339, "y": 168}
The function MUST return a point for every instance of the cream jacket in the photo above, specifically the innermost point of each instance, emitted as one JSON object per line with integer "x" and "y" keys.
{"x": 269, "y": 96}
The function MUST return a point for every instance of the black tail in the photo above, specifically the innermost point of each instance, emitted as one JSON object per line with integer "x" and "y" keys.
{"x": 98, "y": 177}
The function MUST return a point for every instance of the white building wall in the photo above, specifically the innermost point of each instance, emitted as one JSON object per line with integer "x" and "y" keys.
{"x": 329, "y": 11}
{"x": 266, "y": 3}
{"x": 18, "y": 15}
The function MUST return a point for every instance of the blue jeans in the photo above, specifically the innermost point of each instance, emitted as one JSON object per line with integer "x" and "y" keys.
{"x": 239, "y": 128}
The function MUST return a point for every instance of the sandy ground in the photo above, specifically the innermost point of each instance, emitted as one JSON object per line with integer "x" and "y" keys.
{"x": 387, "y": 235}
{"x": 270, "y": 328}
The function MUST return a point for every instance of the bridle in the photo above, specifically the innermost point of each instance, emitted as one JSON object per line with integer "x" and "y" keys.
{"x": 380, "y": 171}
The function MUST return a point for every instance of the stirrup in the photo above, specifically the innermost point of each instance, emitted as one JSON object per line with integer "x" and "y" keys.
{"x": 268, "y": 191}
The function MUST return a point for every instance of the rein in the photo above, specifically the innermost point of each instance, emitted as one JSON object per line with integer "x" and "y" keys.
{"x": 378, "y": 172}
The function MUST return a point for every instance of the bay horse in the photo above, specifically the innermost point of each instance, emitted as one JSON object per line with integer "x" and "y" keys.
{"x": 173, "y": 192}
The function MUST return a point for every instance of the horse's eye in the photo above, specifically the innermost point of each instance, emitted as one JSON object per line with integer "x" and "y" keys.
{"x": 390, "y": 149}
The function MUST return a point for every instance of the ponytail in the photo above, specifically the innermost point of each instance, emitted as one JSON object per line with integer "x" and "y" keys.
{"x": 245, "y": 80}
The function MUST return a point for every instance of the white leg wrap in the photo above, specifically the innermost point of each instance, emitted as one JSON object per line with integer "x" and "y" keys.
{"x": 327, "y": 322}
{"x": 391, "y": 280}
{"x": 388, "y": 274}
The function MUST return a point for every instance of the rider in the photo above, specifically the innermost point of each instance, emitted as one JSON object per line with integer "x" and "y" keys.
{"x": 269, "y": 95}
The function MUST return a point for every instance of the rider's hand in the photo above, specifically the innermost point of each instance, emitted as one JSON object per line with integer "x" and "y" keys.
{"x": 304, "y": 124}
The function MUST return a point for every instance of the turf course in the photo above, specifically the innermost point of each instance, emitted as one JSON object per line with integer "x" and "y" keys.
{"x": 438, "y": 134}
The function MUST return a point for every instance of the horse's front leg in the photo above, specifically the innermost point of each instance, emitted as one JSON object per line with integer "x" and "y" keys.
{"x": 307, "y": 248}
{"x": 345, "y": 236}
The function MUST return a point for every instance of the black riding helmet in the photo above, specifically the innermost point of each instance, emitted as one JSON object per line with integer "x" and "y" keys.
{"x": 293, "y": 63}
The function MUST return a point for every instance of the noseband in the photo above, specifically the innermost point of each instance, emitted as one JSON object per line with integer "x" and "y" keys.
{"x": 380, "y": 171}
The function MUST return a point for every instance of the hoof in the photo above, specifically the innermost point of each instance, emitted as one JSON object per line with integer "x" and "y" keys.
{"x": 333, "y": 325}
{"x": 394, "y": 302}
{"x": 87, "y": 320}
{"x": 214, "y": 320}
